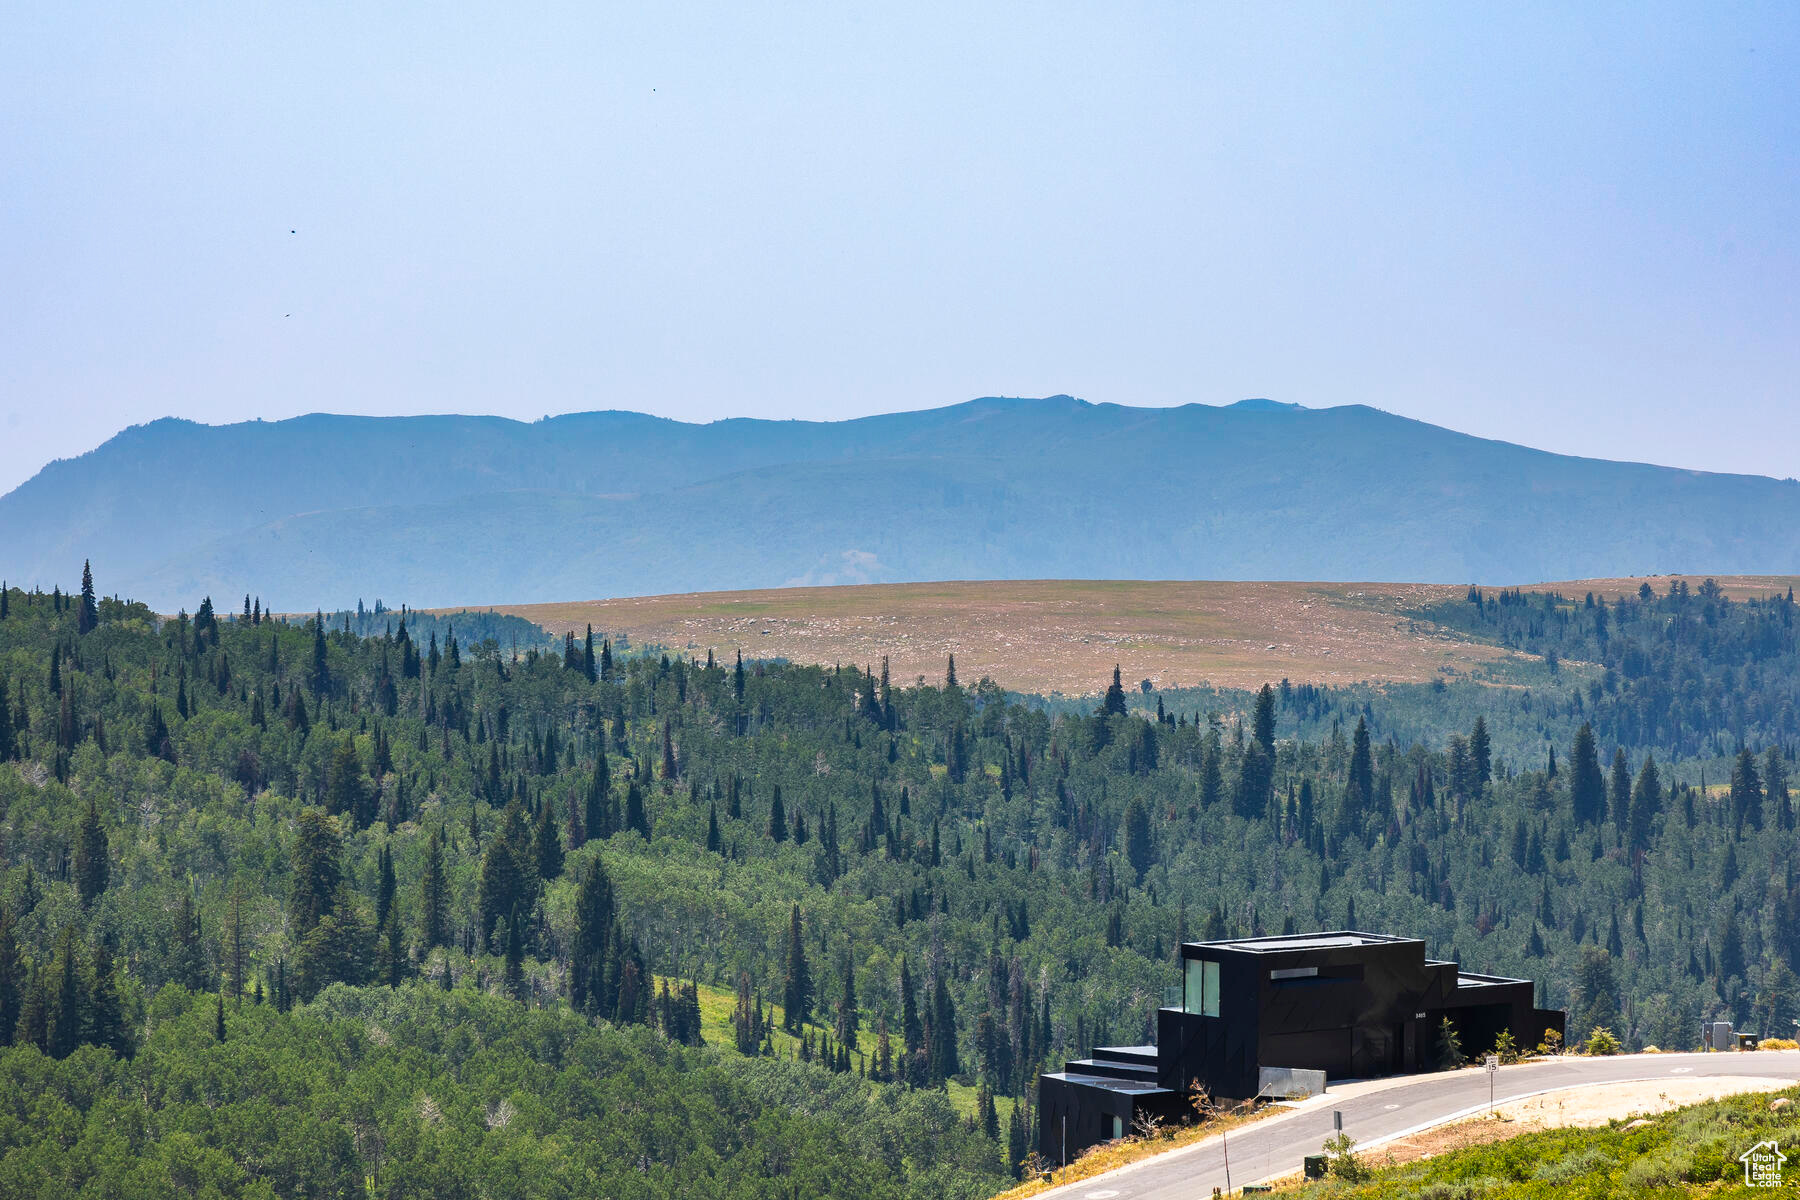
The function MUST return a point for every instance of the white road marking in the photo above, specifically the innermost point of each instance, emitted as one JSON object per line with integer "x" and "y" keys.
{"x": 1392, "y": 1107}
{"x": 1681, "y": 1070}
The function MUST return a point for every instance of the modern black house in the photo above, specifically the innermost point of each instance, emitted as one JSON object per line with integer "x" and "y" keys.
{"x": 1255, "y": 1010}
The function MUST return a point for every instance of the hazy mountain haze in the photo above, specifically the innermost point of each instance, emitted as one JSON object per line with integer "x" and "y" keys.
{"x": 321, "y": 510}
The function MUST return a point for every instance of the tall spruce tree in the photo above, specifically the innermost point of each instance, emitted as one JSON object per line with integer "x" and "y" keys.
{"x": 637, "y": 817}
{"x": 778, "y": 827}
{"x": 321, "y": 667}
{"x": 796, "y": 978}
{"x": 107, "y": 1023}
{"x": 434, "y": 895}
{"x": 1113, "y": 703}
{"x": 12, "y": 977}
{"x": 68, "y": 1013}
{"x": 1646, "y": 802}
{"x": 385, "y": 885}
{"x": 1140, "y": 847}
{"x": 317, "y": 872}
{"x": 92, "y": 866}
{"x": 187, "y": 949}
{"x": 1618, "y": 789}
{"x": 88, "y": 617}
{"x": 595, "y": 918}
{"x": 1262, "y": 720}
{"x": 1587, "y": 786}
{"x": 1746, "y": 792}
{"x": 912, "y": 1030}
{"x": 1481, "y": 750}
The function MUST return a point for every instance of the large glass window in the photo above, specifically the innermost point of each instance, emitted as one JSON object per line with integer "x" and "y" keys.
{"x": 1200, "y": 993}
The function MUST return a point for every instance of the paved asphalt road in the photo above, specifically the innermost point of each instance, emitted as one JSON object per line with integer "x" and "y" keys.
{"x": 1378, "y": 1113}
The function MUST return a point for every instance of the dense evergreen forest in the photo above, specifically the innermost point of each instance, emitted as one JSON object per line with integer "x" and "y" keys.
{"x": 292, "y": 909}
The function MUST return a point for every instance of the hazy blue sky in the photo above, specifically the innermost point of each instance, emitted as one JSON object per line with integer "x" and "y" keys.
{"x": 1576, "y": 229}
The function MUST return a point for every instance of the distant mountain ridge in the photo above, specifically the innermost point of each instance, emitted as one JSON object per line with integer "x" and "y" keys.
{"x": 321, "y": 509}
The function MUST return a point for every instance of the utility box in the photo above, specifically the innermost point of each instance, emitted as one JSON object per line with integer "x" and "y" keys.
{"x": 1718, "y": 1035}
{"x": 1314, "y": 1166}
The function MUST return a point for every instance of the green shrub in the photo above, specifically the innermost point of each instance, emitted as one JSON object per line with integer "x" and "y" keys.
{"x": 1600, "y": 1042}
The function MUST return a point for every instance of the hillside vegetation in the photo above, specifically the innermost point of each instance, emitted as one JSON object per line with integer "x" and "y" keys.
{"x": 494, "y": 895}
{"x": 1686, "y": 1153}
{"x": 446, "y": 510}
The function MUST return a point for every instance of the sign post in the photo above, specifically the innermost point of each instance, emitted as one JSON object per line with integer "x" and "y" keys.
{"x": 1493, "y": 1068}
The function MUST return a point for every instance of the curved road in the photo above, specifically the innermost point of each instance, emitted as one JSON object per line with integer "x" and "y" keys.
{"x": 1381, "y": 1111}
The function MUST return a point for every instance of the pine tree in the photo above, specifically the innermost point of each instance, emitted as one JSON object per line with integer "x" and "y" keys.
{"x": 187, "y": 958}
{"x": 34, "y": 1011}
{"x": 1595, "y": 999}
{"x": 68, "y": 1015}
{"x": 239, "y": 960}
{"x": 92, "y": 867}
{"x": 1140, "y": 848}
{"x": 347, "y": 789}
{"x": 1746, "y": 792}
{"x": 912, "y": 1032}
{"x": 848, "y": 1019}
{"x": 1018, "y": 1139}
{"x": 515, "y": 957}
{"x": 89, "y": 616}
{"x": 796, "y": 984}
{"x": 12, "y": 977}
{"x": 1113, "y": 704}
{"x": 316, "y": 871}
{"x": 434, "y": 896}
{"x": 9, "y": 742}
{"x": 1646, "y": 802}
{"x": 587, "y": 655}
{"x": 106, "y": 1011}
{"x": 778, "y": 829}
{"x": 341, "y": 948}
{"x": 1262, "y": 721}
{"x": 950, "y": 675}
{"x": 746, "y": 1021}
{"x": 637, "y": 818}
{"x": 321, "y": 668}
{"x": 1775, "y": 786}
{"x": 595, "y": 917}
{"x": 1587, "y": 787}
{"x": 1618, "y": 789}
{"x": 712, "y": 828}
{"x": 506, "y": 870}
{"x": 1481, "y": 752}
{"x": 598, "y": 802}
{"x": 986, "y": 1114}
{"x": 941, "y": 1052}
{"x": 549, "y": 844}
{"x": 219, "y": 1019}
{"x": 1731, "y": 949}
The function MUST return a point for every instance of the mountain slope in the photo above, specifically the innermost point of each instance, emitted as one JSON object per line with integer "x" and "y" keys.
{"x": 441, "y": 510}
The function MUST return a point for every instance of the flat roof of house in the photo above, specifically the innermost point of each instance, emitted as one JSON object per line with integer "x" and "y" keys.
{"x": 1132, "y": 1087}
{"x": 1468, "y": 979}
{"x": 1280, "y": 943}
